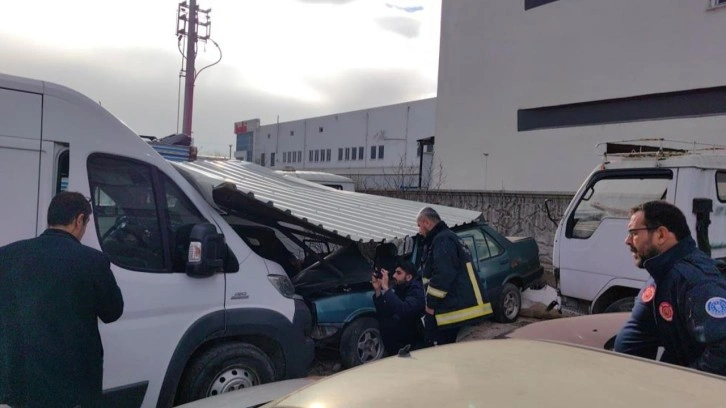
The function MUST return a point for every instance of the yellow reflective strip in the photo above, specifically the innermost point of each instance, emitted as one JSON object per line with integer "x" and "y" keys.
{"x": 435, "y": 292}
{"x": 474, "y": 283}
{"x": 463, "y": 314}
{"x": 425, "y": 281}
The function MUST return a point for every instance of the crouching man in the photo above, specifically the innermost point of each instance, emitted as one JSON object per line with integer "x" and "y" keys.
{"x": 399, "y": 308}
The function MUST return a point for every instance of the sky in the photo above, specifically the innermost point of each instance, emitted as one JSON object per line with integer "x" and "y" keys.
{"x": 286, "y": 59}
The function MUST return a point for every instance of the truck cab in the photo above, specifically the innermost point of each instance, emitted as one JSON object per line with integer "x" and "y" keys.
{"x": 593, "y": 267}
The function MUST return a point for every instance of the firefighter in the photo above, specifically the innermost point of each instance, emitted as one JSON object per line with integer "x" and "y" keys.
{"x": 454, "y": 295}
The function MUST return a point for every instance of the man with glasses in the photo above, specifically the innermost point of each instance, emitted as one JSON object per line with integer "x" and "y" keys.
{"x": 53, "y": 290}
{"x": 682, "y": 307}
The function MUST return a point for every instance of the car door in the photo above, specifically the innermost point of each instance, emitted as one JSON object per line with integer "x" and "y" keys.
{"x": 142, "y": 222}
{"x": 491, "y": 260}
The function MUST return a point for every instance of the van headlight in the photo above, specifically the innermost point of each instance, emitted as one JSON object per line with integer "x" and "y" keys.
{"x": 283, "y": 284}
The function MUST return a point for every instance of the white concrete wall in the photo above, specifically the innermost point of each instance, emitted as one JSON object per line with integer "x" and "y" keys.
{"x": 396, "y": 127}
{"x": 497, "y": 58}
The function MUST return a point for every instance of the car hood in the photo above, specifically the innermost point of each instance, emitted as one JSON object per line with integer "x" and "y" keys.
{"x": 511, "y": 373}
{"x": 598, "y": 330}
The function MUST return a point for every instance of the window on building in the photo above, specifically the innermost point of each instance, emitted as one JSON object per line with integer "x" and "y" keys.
{"x": 292, "y": 133}
{"x": 320, "y": 129}
{"x": 310, "y": 155}
{"x": 380, "y": 151}
{"x": 317, "y": 155}
{"x": 717, "y": 3}
{"x": 327, "y": 155}
{"x": 340, "y": 154}
{"x": 721, "y": 185}
{"x": 373, "y": 152}
{"x": 360, "y": 153}
{"x": 284, "y": 157}
{"x": 268, "y": 135}
{"x": 299, "y": 156}
{"x": 347, "y": 153}
{"x": 355, "y": 154}
{"x": 272, "y": 159}
{"x": 262, "y": 160}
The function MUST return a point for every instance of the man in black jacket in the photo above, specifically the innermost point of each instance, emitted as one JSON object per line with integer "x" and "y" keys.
{"x": 683, "y": 305}
{"x": 399, "y": 308}
{"x": 454, "y": 295}
{"x": 52, "y": 291}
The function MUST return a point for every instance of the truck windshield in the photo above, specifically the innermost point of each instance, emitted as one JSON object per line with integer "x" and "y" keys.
{"x": 613, "y": 198}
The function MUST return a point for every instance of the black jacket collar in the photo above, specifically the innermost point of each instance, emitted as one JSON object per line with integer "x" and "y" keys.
{"x": 659, "y": 266}
{"x": 59, "y": 233}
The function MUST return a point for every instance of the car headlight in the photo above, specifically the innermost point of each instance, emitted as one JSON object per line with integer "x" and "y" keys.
{"x": 322, "y": 332}
{"x": 283, "y": 284}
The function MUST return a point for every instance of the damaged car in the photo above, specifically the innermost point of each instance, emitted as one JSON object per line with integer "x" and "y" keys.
{"x": 325, "y": 240}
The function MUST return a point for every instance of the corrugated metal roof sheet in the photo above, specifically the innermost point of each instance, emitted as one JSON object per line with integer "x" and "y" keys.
{"x": 358, "y": 216}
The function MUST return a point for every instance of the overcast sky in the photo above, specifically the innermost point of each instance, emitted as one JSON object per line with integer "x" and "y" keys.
{"x": 292, "y": 58}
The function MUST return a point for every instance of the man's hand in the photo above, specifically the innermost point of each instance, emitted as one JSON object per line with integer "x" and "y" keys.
{"x": 376, "y": 284}
{"x": 429, "y": 311}
{"x": 384, "y": 279}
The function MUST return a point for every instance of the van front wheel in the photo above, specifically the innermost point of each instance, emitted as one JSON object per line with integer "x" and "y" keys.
{"x": 224, "y": 368}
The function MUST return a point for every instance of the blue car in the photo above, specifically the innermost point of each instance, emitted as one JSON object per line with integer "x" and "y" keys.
{"x": 339, "y": 292}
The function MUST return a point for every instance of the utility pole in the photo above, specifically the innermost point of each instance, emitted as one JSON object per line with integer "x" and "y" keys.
{"x": 188, "y": 24}
{"x": 230, "y": 151}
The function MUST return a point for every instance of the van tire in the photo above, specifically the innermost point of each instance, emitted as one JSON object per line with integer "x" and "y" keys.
{"x": 223, "y": 368}
{"x": 621, "y": 305}
{"x": 361, "y": 342}
{"x": 509, "y": 304}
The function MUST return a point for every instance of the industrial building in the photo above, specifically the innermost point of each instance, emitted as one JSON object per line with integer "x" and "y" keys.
{"x": 528, "y": 88}
{"x": 387, "y": 147}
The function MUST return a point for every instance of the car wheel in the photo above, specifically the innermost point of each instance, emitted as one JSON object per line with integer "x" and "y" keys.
{"x": 224, "y": 368}
{"x": 361, "y": 342}
{"x": 508, "y": 304}
{"x": 621, "y": 305}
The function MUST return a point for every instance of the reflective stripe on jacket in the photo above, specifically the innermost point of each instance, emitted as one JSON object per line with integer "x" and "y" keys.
{"x": 453, "y": 289}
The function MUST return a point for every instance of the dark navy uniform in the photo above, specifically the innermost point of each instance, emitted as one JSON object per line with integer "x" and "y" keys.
{"x": 453, "y": 290}
{"x": 681, "y": 308}
{"x": 399, "y": 315}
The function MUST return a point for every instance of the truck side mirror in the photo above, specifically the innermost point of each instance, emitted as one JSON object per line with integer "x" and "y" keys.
{"x": 207, "y": 251}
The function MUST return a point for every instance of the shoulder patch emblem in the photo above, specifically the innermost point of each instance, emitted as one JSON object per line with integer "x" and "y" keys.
{"x": 648, "y": 294}
{"x": 666, "y": 311}
{"x": 716, "y": 307}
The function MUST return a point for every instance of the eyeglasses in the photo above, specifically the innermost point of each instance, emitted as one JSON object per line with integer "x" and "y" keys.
{"x": 633, "y": 232}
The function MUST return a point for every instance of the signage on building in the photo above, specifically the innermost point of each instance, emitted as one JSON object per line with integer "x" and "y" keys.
{"x": 246, "y": 126}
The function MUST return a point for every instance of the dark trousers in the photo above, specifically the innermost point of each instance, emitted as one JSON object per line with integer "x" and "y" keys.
{"x": 437, "y": 336}
{"x": 397, "y": 334}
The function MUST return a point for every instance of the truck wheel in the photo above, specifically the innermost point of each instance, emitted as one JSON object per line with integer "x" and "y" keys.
{"x": 621, "y": 305}
{"x": 361, "y": 342}
{"x": 508, "y": 304}
{"x": 224, "y": 368}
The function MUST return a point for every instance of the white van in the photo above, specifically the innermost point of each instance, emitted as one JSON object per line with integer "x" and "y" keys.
{"x": 189, "y": 330}
{"x": 593, "y": 267}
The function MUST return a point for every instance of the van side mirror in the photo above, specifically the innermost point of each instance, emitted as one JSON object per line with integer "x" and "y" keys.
{"x": 207, "y": 251}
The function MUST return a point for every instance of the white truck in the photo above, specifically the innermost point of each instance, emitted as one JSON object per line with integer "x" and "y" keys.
{"x": 593, "y": 267}
{"x": 189, "y": 329}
